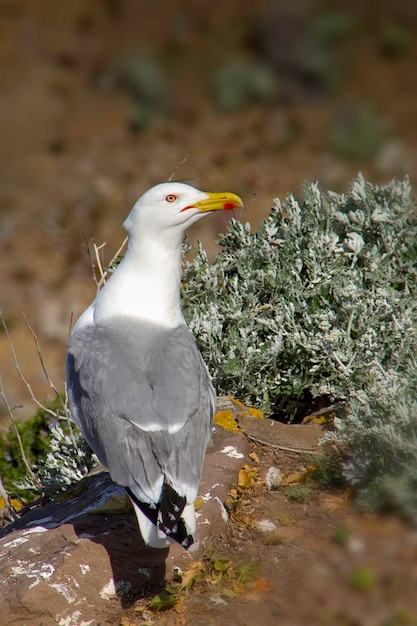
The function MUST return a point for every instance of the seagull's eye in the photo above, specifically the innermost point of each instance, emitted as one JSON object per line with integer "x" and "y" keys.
{"x": 171, "y": 197}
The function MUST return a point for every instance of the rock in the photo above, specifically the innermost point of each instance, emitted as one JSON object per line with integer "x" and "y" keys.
{"x": 273, "y": 478}
{"x": 297, "y": 437}
{"x": 266, "y": 526}
{"x": 62, "y": 564}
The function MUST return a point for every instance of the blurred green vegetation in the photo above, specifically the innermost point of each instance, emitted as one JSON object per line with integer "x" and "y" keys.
{"x": 357, "y": 132}
{"x": 241, "y": 83}
{"x": 35, "y": 437}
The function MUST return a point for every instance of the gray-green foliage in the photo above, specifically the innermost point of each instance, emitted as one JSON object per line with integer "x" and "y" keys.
{"x": 395, "y": 39}
{"x": 67, "y": 461}
{"x": 241, "y": 83}
{"x": 144, "y": 80}
{"x": 321, "y": 299}
{"x": 356, "y": 132}
{"x": 381, "y": 433}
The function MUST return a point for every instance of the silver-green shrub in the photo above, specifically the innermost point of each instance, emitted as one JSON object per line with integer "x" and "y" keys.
{"x": 68, "y": 460}
{"x": 321, "y": 297}
{"x": 321, "y": 300}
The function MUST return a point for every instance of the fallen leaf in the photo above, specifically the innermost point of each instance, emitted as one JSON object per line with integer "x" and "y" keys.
{"x": 198, "y": 503}
{"x": 191, "y": 575}
{"x": 233, "y": 493}
{"x": 163, "y": 600}
{"x": 300, "y": 477}
{"x": 244, "y": 479}
{"x": 254, "y": 457}
{"x": 222, "y": 565}
{"x": 247, "y": 477}
{"x": 244, "y": 520}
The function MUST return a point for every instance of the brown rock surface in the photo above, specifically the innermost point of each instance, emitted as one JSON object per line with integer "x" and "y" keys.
{"x": 62, "y": 564}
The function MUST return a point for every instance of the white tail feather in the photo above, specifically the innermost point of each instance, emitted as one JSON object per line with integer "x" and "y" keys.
{"x": 188, "y": 515}
{"x": 151, "y": 535}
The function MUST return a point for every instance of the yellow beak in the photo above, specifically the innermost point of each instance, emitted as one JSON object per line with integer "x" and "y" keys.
{"x": 219, "y": 201}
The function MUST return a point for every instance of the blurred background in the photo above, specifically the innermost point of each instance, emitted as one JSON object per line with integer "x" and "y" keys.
{"x": 101, "y": 100}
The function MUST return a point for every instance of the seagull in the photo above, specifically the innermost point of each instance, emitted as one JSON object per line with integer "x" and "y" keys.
{"x": 137, "y": 385}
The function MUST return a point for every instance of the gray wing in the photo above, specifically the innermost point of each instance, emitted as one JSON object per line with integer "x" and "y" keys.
{"x": 143, "y": 398}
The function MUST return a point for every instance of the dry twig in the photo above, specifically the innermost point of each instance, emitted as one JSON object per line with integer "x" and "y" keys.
{"x": 180, "y": 164}
{"x": 278, "y": 447}
{"x": 19, "y": 370}
{"x": 105, "y": 273}
{"x": 45, "y": 371}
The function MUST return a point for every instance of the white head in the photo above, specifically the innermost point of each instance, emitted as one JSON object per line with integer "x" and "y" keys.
{"x": 175, "y": 206}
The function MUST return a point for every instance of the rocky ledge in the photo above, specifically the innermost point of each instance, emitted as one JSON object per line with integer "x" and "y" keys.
{"x": 81, "y": 560}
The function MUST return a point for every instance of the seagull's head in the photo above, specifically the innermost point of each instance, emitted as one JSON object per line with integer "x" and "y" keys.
{"x": 176, "y": 206}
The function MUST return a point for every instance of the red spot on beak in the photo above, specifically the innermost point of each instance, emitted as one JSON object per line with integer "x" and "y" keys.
{"x": 229, "y": 206}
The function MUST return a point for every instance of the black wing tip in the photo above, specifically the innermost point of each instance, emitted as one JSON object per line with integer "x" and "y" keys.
{"x": 179, "y": 533}
{"x": 166, "y": 515}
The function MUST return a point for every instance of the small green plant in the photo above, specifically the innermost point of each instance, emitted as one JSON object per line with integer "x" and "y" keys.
{"x": 333, "y": 27}
{"x": 362, "y": 579}
{"x": 299, "y": 493}
{"x": 241, "y": 83}
{"x": 395, "y": 40}
{"x": 144, "y": 80}
{"x": 35, "y": 437}
{"x": 163, "y": 600}
{"x": 341, "y": 536}
{"x": 356, "y": 132}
